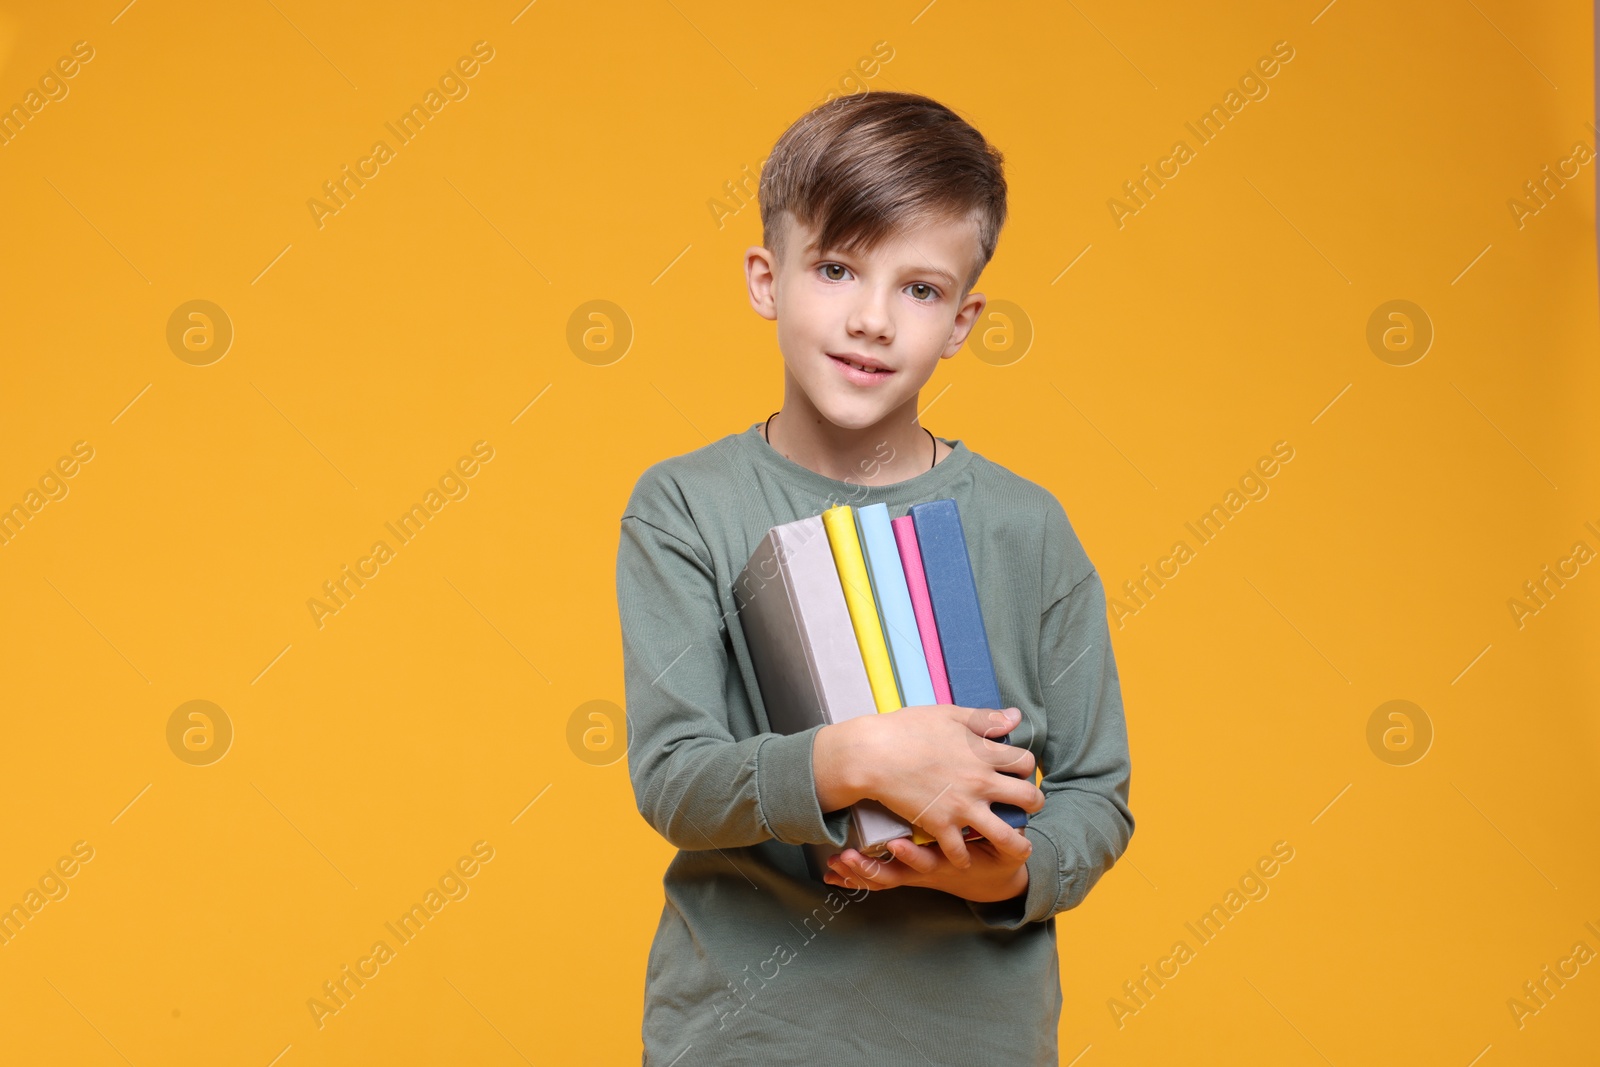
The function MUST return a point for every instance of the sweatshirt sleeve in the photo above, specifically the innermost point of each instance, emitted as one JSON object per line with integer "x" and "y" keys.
{"x": 694, "y": 783}
{"x": 1085, "y": 825}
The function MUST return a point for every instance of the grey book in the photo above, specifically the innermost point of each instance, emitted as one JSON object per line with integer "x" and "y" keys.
{"x": 807, "y": 661}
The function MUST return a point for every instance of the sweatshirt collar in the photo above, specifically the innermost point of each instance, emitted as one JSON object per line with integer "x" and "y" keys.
{"x": 928, "y": 485}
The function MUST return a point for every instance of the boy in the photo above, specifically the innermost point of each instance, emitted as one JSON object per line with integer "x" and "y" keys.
{"x": 879, "y": 211}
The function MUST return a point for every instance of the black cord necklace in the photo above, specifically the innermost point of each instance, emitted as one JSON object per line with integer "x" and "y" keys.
{"x": 925, "y": 430}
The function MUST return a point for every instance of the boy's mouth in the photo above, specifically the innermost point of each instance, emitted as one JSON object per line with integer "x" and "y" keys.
{"x": 860, "y": 367}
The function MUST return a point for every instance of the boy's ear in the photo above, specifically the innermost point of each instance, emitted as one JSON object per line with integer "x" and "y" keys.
{"x": 967, "y": 316}
{"x": 760, "y": 273}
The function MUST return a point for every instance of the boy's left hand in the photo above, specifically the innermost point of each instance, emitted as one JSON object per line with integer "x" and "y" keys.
{"x": 993, "y": 875}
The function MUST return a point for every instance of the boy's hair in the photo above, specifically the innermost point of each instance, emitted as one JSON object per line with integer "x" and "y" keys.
{"x": 862, "y": 166}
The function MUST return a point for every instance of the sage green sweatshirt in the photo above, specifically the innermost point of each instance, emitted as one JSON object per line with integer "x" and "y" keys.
{"x": 753, "y": 961}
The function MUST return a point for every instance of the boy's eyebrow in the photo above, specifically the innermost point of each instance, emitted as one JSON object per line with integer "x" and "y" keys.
{"x": 941, "y": 273}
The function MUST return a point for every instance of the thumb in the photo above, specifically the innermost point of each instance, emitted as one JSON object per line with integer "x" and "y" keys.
{"x": 987, "y": 722}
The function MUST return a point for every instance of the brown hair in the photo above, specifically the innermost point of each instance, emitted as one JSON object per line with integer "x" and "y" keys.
{"x": 862, "y": 166}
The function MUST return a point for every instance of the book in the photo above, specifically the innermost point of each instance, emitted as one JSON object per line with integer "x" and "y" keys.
{"x": 869, "y": 625}
{"x": 953, "y": 592}
{"x": 893, "y": 598}
{"x": 852, "y": 569}
{"x": 905, "y": 535}
{"x": 808, "y": 660}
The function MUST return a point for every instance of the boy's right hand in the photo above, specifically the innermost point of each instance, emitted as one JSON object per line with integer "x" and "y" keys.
{"x": 936, "y": 767}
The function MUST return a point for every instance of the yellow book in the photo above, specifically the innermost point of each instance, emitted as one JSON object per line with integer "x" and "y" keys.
{"x": 840, "y": 523}
{"x": 841, "y": 526}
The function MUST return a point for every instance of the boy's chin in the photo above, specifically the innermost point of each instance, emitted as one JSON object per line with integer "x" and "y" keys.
{"x": 852, "y": 409}
{"x": 847, "y": 415}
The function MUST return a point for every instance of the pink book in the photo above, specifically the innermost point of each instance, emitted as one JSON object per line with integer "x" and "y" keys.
{"x": 905, "y": 536}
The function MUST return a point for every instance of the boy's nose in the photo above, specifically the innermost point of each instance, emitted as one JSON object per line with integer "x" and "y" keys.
{"x": 870, "y": 317}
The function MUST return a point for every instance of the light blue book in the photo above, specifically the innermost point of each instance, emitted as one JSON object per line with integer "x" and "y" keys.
{"x": 889, "y": 590}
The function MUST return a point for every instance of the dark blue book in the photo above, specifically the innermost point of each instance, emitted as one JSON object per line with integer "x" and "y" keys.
{"x": 959, "y": 619}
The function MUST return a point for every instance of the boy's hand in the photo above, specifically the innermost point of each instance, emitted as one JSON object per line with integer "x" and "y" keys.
{"x": 993, "y": 876}
{"x": 936, "y": 767}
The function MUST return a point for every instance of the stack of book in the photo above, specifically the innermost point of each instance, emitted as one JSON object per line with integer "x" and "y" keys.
{"x": 848, "y": 613}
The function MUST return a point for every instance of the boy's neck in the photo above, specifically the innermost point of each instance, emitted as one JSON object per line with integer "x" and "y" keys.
{"x": 893, "y": 450}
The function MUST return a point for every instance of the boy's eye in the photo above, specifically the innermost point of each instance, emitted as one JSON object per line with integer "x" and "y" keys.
{"x": 920, "y": 291}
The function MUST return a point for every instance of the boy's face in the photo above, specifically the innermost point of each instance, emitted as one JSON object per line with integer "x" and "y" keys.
{"x": 899, "y": 305}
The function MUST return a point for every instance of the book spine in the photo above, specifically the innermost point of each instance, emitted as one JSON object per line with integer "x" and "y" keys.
{"x": 857, "y": 587}
{"x": 958, "y": 614}
{"x": 894, "y": 606}
{"x": 905, "y": 535}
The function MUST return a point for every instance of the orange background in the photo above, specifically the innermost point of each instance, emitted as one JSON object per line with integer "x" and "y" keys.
{"x": 444, "y": 703}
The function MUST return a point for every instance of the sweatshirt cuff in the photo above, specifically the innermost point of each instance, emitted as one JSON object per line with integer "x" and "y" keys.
{"x": 786, "y": 789}
{"x": 1045, "y": 880}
